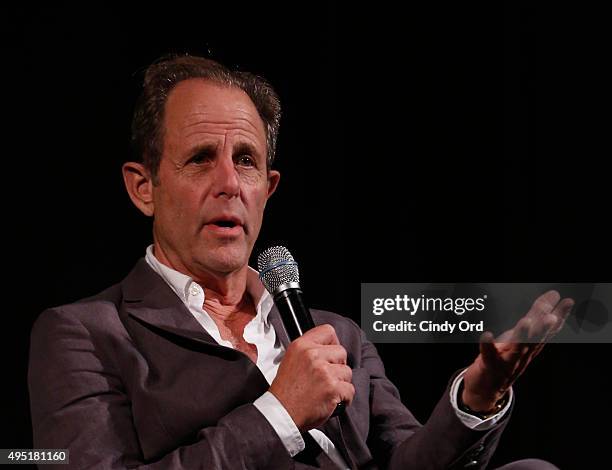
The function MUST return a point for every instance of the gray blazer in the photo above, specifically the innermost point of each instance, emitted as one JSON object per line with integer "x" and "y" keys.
{"x": 129, "y": 378}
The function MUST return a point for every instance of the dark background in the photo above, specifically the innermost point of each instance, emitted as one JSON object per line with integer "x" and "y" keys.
{"x": 442, "y": 144}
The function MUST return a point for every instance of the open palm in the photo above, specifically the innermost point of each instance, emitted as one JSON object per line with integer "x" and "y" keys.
{"x": 503, "y": 359}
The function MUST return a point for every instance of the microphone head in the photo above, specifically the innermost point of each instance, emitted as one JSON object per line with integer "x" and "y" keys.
{"x": 277, "y": 267}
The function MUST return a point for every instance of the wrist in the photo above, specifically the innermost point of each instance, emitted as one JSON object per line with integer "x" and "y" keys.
{"x": 478, "y": 406}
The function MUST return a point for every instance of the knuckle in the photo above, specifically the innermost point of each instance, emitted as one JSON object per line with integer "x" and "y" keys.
{"x": 321, "y": 370}
{"x": 329, "y": 329}
{"x": 311, "y": 354}
{"x": 330, "y": 377}
{"x": 297, "y": 345}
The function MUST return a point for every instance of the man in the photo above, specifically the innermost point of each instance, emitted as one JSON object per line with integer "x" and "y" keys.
{"x": 185, "y": 363}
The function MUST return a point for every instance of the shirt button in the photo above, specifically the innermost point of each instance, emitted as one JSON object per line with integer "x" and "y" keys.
{"x": 194, "y": 290}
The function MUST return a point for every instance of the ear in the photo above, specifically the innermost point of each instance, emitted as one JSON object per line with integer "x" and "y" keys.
{"x": 139, "y": 186}
{"x": 273, "y": 179}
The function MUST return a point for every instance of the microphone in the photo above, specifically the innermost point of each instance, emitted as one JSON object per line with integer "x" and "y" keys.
{"x": 280, "y": 275}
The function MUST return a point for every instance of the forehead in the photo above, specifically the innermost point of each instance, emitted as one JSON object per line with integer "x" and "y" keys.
{"x": 202, "y": 103}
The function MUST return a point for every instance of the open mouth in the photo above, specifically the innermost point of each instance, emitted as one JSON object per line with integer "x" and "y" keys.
{"x": 225, "y": 224}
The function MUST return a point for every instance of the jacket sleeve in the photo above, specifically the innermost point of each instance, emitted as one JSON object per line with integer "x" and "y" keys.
{"x": 79, "y": 403}
{"x": 397, "y": 440}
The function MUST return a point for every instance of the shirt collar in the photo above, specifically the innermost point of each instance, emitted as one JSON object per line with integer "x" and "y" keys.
{"x": 181, "y": 283}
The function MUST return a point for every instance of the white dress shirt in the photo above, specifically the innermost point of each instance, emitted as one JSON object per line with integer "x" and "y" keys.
{"x": 270, "y": 352}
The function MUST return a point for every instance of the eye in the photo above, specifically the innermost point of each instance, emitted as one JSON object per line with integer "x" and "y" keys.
{"x": 245, "y": 160}
{"x": 201, "y": 157}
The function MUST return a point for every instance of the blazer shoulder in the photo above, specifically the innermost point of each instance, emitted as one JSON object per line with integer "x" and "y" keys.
{"x": 97, "y": 311}
{"x": 89, "y": 312}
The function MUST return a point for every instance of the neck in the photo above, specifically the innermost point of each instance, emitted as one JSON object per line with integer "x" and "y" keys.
{"x": 226, "y": 289}
{"x": 221, "y": 309}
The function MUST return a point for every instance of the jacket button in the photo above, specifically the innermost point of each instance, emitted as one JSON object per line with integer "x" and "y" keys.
{"x": 473, "y": 463}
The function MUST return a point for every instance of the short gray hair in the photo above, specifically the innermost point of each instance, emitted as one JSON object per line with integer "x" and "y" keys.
{"x": 164, "y": 74}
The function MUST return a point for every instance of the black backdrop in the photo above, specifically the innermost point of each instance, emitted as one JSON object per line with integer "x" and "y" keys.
{"x": 447, "y": 143}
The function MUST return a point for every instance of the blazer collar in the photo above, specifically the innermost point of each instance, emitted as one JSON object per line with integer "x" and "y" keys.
{"x": 148, "y": 298}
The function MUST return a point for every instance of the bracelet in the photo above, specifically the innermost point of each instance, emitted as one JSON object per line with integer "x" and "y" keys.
{"x": 499, "y": 405}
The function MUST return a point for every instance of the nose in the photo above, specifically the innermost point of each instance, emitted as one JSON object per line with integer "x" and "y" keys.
{"x": 225, "y": 178}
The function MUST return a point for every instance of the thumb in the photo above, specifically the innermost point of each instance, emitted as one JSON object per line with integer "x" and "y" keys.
{"x": 487, "y": 348}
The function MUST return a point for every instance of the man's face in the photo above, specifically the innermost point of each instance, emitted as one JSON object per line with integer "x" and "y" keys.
{"x": 213, "y": 183}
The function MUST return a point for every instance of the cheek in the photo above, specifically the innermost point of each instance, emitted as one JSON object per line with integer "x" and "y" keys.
{"x": 257, "y": 197}
{"x": 179, "y": 208}
{"x": 255, "y": 202}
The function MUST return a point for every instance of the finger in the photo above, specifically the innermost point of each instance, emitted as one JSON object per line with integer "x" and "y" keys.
{"x": 346, "y": 392}
{"x": 562, "y": 311}
{"x": 542, "y": 328}
{"x": 559, "y": 315}
{"x": 521, "y": 331}
{"x": 544, "y": 304}
{"x": 537, "y": 341}
{"x": 341, "y": 372}
{"x": 487, "y": 348}
{"x": 332, "y": 353}
{"x": 505, "y": 337}
{"x": 508, "y": 336}
{"x": 322, "y": 334}
{"x": 536, "y": 328}
{"x": 518, "y": 345}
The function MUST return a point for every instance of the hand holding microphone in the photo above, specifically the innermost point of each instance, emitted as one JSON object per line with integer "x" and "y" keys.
{"x": 313, "y": 381}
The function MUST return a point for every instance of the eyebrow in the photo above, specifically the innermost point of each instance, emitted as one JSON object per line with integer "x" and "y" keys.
{"x": 210, "y": 148}
{"x": 207, "y": 147}
{"x": 246, "y": 147}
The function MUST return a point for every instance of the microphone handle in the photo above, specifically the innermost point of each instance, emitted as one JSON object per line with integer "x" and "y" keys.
{"x": 297, "y": 320}
{"x": 294, "y": 313}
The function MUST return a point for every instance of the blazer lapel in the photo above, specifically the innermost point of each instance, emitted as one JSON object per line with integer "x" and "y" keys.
{"x": 149, "y": 300}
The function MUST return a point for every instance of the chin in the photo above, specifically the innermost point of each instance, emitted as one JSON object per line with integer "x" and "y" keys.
{"x": 226, "y": 259}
